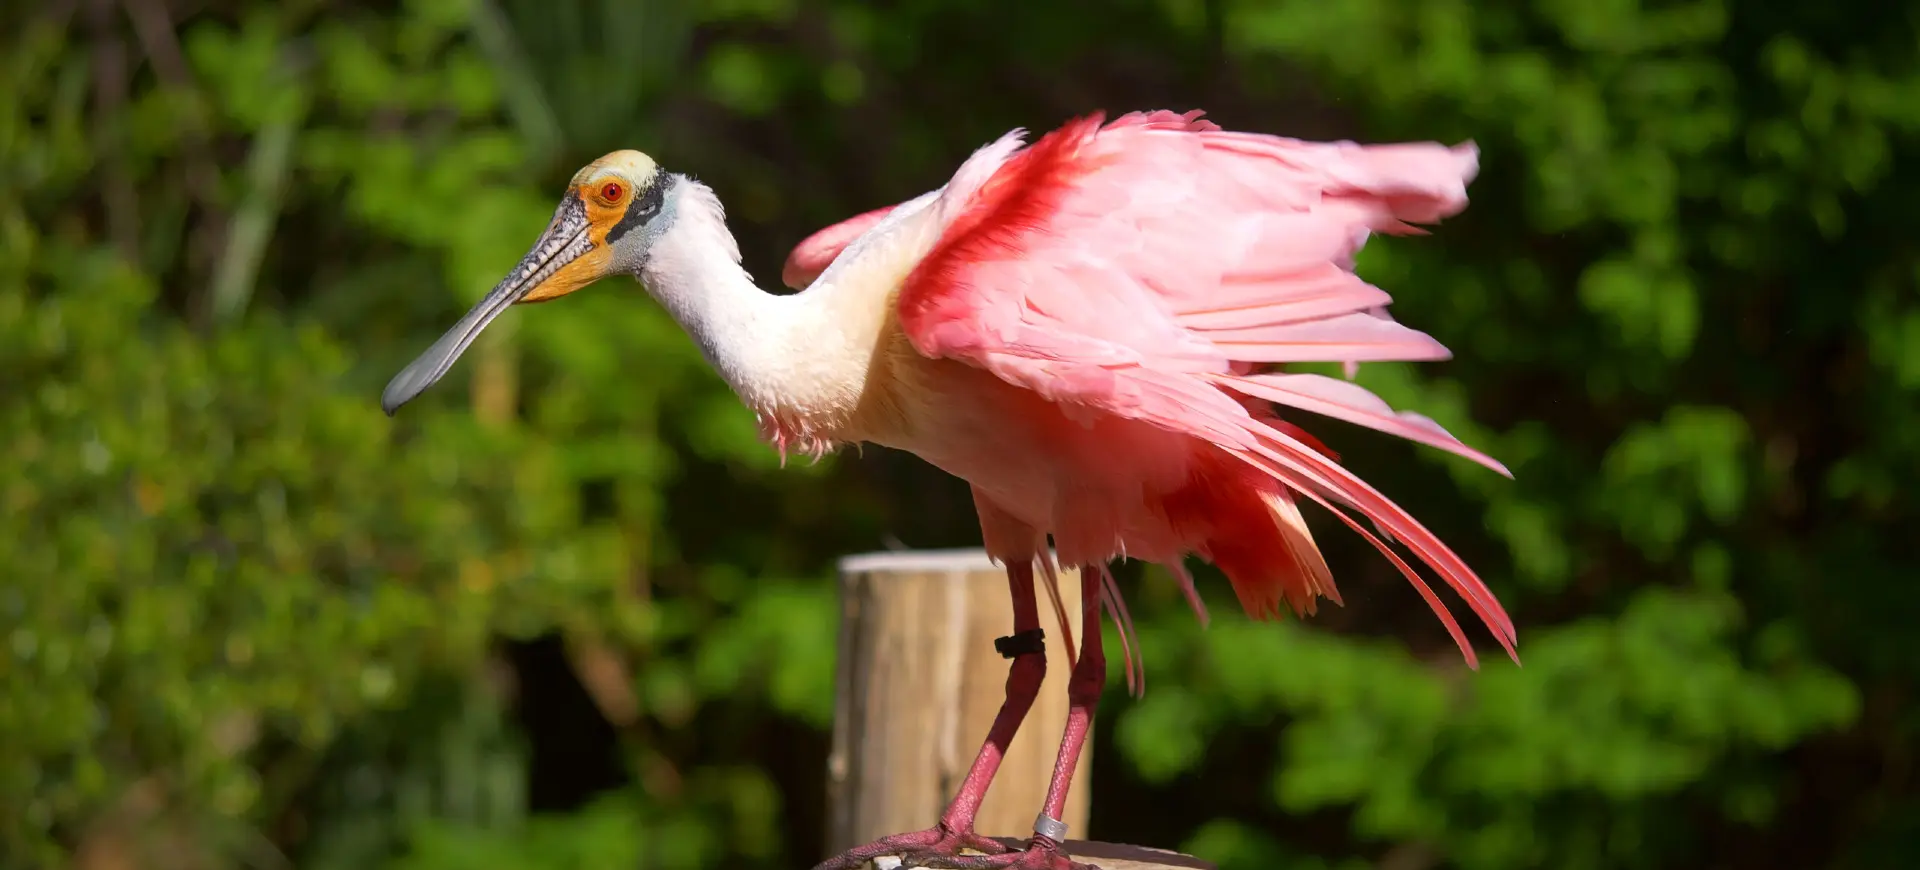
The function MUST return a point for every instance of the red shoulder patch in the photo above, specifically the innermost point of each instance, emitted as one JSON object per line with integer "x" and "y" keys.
{"x": 1019, "y": 197}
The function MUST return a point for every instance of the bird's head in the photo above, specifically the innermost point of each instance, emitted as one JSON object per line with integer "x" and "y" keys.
{"x": 613, "y": 211}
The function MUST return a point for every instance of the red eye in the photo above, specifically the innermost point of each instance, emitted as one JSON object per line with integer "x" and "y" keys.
{"x": 611, "y": 192}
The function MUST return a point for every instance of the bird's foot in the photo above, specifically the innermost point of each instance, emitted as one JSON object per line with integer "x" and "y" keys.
{"x": 914, "y": 850}
{"x": 1040, "y": 854}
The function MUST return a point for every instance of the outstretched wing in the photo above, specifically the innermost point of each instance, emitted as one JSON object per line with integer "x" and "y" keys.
{"x": 1142, "y": 268}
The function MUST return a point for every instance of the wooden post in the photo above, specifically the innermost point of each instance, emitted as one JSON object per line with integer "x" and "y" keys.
{"x": 919, "y": 684}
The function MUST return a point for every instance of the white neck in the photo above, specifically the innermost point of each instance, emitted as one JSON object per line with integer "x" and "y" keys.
{"x": 798, "y": 357}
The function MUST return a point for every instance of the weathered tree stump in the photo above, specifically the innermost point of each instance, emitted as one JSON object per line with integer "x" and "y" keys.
{"x": 919, "y": 684}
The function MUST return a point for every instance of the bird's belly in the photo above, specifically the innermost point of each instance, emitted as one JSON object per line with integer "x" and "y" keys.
{"x": 1000, "y": 457}
{"x": 1095, "y": 484}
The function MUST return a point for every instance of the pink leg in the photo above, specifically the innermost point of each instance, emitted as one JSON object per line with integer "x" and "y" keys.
{"x": 1083, "y": 696}
{"x": 955, "y": 831}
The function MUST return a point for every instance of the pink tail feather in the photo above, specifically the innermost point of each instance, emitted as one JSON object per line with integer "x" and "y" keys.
{"x": 1059, "y": 606}
{"x": 1254, "y": 534}
{"x": 1321, "y": 479}
{"x": 1116, "y": 606}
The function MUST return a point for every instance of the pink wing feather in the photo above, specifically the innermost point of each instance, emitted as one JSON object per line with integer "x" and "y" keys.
{"x": 1140, "y": 268}
{"x": 816, "y": 252}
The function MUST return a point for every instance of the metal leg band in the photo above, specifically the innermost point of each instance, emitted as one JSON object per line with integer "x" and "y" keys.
{"x": 1050, "y": 828}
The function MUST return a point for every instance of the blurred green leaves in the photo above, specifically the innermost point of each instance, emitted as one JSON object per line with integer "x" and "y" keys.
{"x": 1653, "y": 312}
{"x": 242, "y": 604}
{"x": 205, "y": 536}
{"x": 1600, "y": 715}
{"x": 231, "y": 580}
{"x": 1661, "y": 475}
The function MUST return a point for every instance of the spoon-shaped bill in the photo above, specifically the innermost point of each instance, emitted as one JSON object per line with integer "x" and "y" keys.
{"x": 564, "y": 241}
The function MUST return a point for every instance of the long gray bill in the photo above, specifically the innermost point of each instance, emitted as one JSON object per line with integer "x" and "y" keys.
{"x": 564, "y": 241}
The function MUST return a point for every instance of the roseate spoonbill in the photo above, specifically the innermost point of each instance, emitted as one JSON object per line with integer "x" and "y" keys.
{"x": 1075, "y": 329}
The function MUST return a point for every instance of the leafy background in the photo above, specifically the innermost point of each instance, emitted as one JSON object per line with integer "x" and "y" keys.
{"x": 568, "y": 613}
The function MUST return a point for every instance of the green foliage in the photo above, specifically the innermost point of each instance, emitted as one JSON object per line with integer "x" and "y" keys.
{"x": 226, "y": 566}
{"x": 246, "y": 617}
{"x": 1690, "y": 202}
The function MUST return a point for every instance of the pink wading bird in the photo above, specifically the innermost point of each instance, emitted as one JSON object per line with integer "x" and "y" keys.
{"x": 1074, "y": 329}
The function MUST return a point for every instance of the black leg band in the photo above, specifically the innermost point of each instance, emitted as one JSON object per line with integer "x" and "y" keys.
{"x": 1033, "y": 641}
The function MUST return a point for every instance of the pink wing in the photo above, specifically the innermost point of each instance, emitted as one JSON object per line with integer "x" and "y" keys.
{"x": 816, "y": 252}
{"x": 1142, "y": 269}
